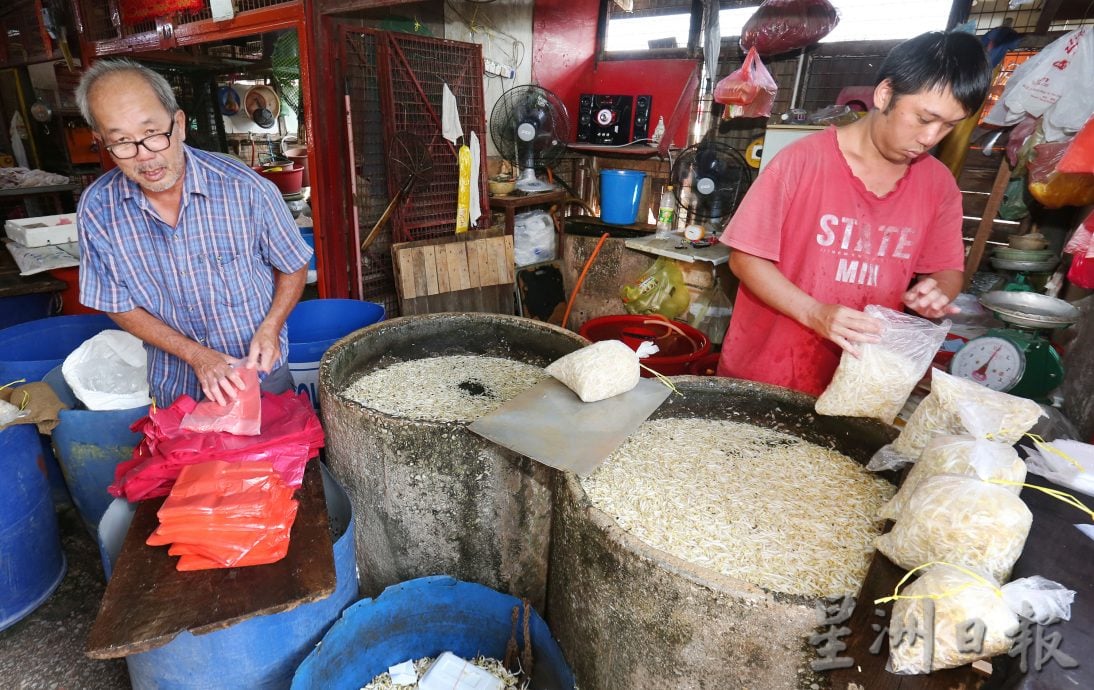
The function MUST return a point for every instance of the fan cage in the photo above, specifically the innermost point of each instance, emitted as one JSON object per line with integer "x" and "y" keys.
{"x": 694, "y": 205}
{"x": 504, "y": 121}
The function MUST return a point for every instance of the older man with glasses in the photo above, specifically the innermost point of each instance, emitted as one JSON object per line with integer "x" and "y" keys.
{"x": 190, "y": 251}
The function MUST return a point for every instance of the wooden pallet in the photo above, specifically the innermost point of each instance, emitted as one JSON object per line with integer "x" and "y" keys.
{"x": 468, "y": 272}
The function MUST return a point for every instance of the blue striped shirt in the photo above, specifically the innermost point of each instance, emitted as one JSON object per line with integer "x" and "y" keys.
{"x": 210, "y": 277}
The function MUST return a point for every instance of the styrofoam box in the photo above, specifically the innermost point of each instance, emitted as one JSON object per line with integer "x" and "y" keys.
{"x": 43, "y": 230}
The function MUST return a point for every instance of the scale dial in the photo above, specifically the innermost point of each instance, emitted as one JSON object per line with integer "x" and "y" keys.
{"x": 990, "y": 361}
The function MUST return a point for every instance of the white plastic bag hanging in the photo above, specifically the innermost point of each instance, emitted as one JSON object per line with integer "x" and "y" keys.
{"x": 879, "y": 380}
{"x": 109, "y": 372}
{"x": 1054, "y": 84}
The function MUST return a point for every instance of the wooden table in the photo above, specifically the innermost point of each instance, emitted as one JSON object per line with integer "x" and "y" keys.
{"x": 509, "y": 203}
{"x": 148, "y": 602}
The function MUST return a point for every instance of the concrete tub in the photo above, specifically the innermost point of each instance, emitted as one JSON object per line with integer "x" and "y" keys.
{"x": 432, "y": 497}
{"x": 632, "y": 617}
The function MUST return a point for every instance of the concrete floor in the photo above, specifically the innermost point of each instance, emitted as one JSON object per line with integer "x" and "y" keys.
{"x": 44, "y": 651}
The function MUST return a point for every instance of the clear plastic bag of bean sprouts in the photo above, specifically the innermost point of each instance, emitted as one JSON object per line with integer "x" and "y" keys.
{"x": 953, "y": 600}
{"x": 879, "y": 380}
{"x": 961, "y": 520}
{"x": 1008, "y": 417}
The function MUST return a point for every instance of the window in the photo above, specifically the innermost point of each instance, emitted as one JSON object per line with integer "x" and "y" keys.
{"x": 665, "y": 24}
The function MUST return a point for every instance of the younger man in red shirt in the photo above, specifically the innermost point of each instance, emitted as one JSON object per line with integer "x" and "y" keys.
{"x": 846, "y": 217}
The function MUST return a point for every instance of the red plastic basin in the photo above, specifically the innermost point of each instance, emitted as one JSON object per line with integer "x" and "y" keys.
{"x": 680, "y": 344}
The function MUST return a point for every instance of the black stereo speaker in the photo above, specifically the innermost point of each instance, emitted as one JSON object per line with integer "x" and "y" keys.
{"x": 642, "y": 106}
{"x": 612, "y": 120}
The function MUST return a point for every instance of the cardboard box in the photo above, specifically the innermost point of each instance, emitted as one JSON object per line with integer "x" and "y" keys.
{"x": 43, "y": 230}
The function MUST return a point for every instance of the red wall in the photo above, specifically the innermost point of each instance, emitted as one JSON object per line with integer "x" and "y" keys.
{"x": 563, "y": 47}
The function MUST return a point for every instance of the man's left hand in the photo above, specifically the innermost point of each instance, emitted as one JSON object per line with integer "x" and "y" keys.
{"x": 265, "y": 349}
{"x": 928, "y": 300}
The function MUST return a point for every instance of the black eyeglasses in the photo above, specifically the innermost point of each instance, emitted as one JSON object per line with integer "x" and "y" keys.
{"x": 153, "y": 142}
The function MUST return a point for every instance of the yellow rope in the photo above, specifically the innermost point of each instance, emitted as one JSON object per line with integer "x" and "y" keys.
{"x": 1055, "y": 493}
{"x": 12, "y": 383}
{"x": 943, "y": 595}
{"x": 662, "y": 378}
{"x": 1042, "y": 444}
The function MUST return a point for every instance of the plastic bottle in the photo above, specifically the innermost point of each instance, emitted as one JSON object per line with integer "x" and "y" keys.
{"x": 659, "y": 130}
{"x": 666, "y": 214}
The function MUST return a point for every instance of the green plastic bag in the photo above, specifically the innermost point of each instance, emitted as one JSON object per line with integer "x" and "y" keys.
{"x": 659, "y": 290}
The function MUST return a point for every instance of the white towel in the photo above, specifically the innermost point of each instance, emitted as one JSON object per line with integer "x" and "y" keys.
{"x": 450, "y": 116}
{"x": 18, "y": 132}
{"x": 476, "y": 205}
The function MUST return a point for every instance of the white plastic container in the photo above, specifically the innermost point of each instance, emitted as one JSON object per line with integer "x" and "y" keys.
{"x": 43, "y": 230}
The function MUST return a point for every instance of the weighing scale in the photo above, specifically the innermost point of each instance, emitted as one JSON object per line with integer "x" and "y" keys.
{"x": 1017, "y": 359}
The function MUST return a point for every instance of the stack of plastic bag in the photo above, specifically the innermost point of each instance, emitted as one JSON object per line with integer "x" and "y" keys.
{"x": 291, "y": 435}
{"x": 1064, "y": 462}
{"x": 108, "y": 371}
{"x": 960, "y": 597}
{"x": 226, "y": 515}
{"x": 939, "y": 414}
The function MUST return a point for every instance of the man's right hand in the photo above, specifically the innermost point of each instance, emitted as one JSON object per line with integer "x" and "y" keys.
{"x": 844, "y": 326}
{"x": 219, "y": 381}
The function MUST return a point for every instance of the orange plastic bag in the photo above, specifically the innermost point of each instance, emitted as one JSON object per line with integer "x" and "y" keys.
{"x": 223, "y": 515}
{"x": 1053, "y": 188}
{"x": 1079, "y": 157}
{"x": 242, "y": 416}
{"x": 749, "y": 91}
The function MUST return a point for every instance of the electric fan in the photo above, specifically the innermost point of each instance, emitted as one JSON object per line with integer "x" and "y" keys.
{"x": 530, "y": 126}
{"x": 709, "y": 180}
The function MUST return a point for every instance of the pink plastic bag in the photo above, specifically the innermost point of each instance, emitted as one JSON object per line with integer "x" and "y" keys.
{"x": 242, "y": 416}
{"x": 779, "y": 26}
{"x": 748, "y": 91}
{"x": 291, "y": 435}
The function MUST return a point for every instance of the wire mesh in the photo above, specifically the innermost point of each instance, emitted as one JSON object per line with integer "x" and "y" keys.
{"x": 417, "y": 70}
{"x": 196, "y": 95}
{"x": 23, "y": 36}
{"x": 366, "y": 125}
{"x": 240, "y": 6}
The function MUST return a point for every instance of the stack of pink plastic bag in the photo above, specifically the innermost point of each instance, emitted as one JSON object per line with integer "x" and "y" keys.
{"x": 226, "y": 515}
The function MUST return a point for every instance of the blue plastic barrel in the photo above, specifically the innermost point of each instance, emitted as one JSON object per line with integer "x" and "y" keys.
{"x": 315, "y": 325}
{"x": 89, "y": 445}
{"x": 22, "y": 308}
{"x": 309, "y": 236}
{"x": 422, "y": 618}
{"x": 29, "y": 350}
{"x": 620, "y": 194}
{"x": 260, "y": 652}
{"x": 31, "y": 560}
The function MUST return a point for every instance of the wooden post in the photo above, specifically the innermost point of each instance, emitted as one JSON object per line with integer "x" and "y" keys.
{"x": 983, "y": 231}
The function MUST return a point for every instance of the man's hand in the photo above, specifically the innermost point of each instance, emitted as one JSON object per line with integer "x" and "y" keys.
{"x": 843, "y": 326}
{"x": 265, "y": 348}
{"x": 219, "y": 381}
{"x": 928, "y": 300}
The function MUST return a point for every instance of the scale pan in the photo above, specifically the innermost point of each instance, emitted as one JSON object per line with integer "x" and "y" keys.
{"x": 1030, "y": 309}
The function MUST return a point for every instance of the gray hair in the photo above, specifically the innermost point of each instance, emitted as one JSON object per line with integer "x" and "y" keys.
{"x": 102, "y": 68}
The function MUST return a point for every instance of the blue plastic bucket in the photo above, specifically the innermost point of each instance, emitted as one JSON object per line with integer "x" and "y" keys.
{"x": 421, "y": 618}
{"x": 261, "y": 652}
{"x": 309, "y": 236}
{"x": 89, "y": 445}
{"x": 31, "y": 560}
{"x": 315, "y": 325}
{"x": 620, "y": 193}
{"x": 30, "y": 350}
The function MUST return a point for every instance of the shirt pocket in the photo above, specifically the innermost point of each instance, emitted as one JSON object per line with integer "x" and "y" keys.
{"x": 230, "y": 275}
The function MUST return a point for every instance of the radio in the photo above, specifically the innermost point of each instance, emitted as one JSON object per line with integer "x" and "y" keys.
{"x": 613, "y": 120}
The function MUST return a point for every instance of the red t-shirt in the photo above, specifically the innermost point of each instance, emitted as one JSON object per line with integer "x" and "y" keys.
{"x": 841, "y": 244}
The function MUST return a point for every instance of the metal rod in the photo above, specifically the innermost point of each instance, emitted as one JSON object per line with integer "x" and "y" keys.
{"x": 797, "y": 80}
